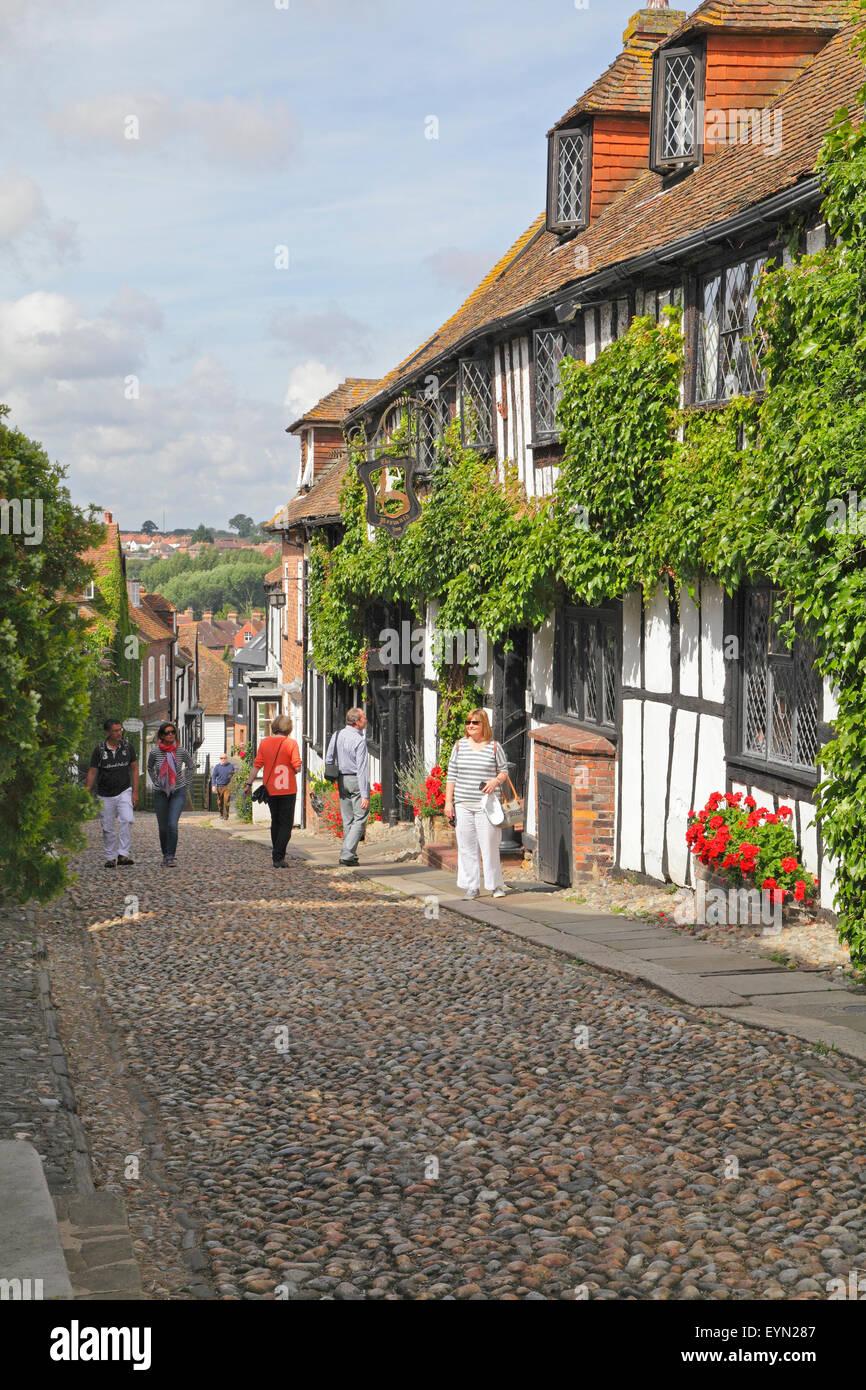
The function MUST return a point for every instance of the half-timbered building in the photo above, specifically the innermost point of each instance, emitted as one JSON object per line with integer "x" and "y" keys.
{"x": 673, "y": 179}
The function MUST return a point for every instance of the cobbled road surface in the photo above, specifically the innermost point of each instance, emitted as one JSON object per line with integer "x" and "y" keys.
{"x": 354, "y": 1101}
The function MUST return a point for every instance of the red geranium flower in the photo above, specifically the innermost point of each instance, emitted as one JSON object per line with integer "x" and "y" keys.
{"x": 789, "y": 864}
{"x": 769, "y": 883}
{"x": 750, "y": 801}
{"x": 799, "y": 890}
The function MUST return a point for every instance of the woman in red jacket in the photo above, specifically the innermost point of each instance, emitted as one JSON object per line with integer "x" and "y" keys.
{"x": 279, "y": 758}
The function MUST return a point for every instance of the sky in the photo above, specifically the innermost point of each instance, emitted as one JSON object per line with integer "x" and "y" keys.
{"x": 212, "y": 212}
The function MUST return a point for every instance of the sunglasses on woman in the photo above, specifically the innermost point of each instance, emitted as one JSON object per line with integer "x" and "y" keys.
{"x": 470, "y": 722}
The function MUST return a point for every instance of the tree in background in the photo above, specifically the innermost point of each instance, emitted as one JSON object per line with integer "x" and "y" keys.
{"x": 149, "y": 528}
{"x": 44, "y": 670}
{"x": 244, "y": 525}
{"x": 202, "y": 534}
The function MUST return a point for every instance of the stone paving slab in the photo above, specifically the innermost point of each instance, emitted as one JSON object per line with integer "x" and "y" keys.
{"x": 821, "y": 1000}
{"x": 30, "y": 1247}
{"x": 786, "y": 982}
{"x": 711, "y": 963}
{"x": 844, "y": 1039}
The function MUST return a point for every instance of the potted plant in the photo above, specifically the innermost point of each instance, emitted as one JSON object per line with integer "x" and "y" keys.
{"x": 738, "y": 843}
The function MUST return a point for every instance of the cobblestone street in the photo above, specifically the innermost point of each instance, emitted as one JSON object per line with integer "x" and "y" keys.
{"x": 305, "y": 1087}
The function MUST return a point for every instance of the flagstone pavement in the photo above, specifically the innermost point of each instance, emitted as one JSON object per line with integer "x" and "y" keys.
{"x": 319, "y": 1083}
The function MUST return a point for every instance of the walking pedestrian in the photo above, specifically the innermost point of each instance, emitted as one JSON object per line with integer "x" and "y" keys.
{"x": 171, "y": 770}
{"x": 477, "y": 768}
{"x": 348, "y": 749}
{"x": 220, "y": 781}
{"x": 281, "y": 756}
{"x": 114, "y": 769}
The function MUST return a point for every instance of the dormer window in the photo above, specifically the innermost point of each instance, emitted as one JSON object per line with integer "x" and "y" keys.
{"x": 677, "y": 137}
{"x": 569, "y": 175}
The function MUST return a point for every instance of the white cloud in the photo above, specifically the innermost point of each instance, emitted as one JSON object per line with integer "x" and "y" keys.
{"x": 47, "y": 336}
{"x": 26, "y": 226}
{"x": 307, "y": 384}
{"x": 247, "y": 132}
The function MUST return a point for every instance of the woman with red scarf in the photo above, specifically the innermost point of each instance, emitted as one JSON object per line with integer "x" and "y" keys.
{"x": 171, "y": 770}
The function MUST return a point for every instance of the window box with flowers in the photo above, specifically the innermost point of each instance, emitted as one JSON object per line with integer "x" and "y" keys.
{"x": 740, "y": 844}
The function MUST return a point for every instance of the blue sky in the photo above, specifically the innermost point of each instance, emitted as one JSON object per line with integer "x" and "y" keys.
{"x": 147, "y": 338}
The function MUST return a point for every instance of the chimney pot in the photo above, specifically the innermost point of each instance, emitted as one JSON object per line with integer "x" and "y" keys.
{"x": 207, "y": 615}
{"x": 108, "y": 518}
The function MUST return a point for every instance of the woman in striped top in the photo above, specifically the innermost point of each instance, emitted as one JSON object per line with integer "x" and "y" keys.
{"x": 477, "y": 766}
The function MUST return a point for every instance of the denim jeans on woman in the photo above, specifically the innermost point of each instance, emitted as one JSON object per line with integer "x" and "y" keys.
{"x": 168, "y": 806}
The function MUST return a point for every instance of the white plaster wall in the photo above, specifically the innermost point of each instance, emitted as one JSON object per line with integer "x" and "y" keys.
{"x": 711, "y": 775}
{"x": 657, "y": 640}
{"x": 827, "y": 883}
{"x": 631, "y": 611}
{"x": 541, "y": 663}
{"x": 430, "y": 704}
{"x": 831, "y": 704}
{"x": 606, "y": 316}
{"x": 657, "y": 721}
{"x": 682, "y": 772}
{"x": 214, "y": 734}
{"x": 631, "y": 753}
{"x": 690, "y": 636}
{"x": 529, "y": 795}
{"x": 809, "y": 837}
{"x": 589, "y": 329}
{"x": 712, "y": 643}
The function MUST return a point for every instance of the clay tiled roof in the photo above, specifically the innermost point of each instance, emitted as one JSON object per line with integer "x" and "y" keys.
{"x": 626, "y": 86}
{"x": 149, "y": 625}
{"x": 214, "y": 676}
{"x": 275, "y": 575}
{"x": 323, "y": 498}
{"x": 646, "y": 217}
{"x": 815, "y": 16}
{"x": 331, "y": 408}
{"x": 216, "y": 635}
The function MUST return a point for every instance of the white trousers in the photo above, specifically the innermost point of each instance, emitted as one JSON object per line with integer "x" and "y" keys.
{"x": 474, "y": 834}
{"x": 117, "y": 814}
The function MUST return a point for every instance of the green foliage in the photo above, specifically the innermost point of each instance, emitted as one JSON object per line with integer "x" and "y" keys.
{"x": 212, "y": 579}
{"x": 244, "y": 525}
{"x": 649, "y": 493}
{"x": 149, "y": 528}
{"x": 44, "y": 669}
{"x": 202, "y": 534}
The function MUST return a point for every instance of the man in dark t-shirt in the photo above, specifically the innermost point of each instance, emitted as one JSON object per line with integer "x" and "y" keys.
{"x": 114, "y": 770}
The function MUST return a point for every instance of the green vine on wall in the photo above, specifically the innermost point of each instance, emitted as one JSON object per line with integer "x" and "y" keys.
{"x": 648, "y": 492}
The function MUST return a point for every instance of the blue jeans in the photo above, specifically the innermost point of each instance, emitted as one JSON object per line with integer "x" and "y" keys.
{"x": 168, "y": 806}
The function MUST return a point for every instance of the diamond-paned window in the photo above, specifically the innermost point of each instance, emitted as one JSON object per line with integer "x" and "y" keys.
{"x": 552, "y": 345}
{"x": 476, "y": 402}
{"x": 569, "y": 175}
{"x": 679, "y": 111}
{"x": 781, "y": 689}
{"x": 730, "y": 346}
{"x": 590, "y": 675}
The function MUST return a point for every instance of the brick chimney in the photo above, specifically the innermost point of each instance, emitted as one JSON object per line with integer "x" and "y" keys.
{"x": 207, "y": 615}
{"x": 258, "y": 615}
{"x": 108, "y": 518}
{"x": 232, "y": 615}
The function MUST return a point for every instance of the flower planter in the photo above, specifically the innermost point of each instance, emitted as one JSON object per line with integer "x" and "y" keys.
{"x": 792, "y": 914}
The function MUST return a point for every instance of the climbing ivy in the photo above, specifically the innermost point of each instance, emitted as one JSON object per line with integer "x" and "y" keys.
{"x": 649, "y": 492}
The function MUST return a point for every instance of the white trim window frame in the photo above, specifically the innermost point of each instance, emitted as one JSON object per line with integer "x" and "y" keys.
{"x": 476, "y": 402}
{"x": 151, "y": 680}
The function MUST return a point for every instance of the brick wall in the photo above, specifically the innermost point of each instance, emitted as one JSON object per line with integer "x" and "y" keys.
{"x": 586, "y": 763}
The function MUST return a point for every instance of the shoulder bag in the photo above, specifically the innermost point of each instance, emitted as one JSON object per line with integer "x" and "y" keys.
{"x": 261, "y": 792}
{"x": 332, "y": 767}
{"x": 513, "y": 810}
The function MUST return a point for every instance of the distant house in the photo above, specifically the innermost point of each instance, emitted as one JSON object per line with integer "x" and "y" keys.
{"x": 213, "y": 691}
{"x": 154, "y": 621}
{"x": 248, "y": 666}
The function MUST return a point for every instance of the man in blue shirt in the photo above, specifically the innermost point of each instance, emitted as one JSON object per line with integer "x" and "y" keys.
{"x": 221, "y": 780}
{"x": 348, "y": 748}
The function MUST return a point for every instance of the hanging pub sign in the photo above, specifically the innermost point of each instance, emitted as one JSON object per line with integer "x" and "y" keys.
{"x": 391, "y": 501}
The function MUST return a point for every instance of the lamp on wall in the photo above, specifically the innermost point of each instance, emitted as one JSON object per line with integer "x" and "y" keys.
{"x": 277, "y": 600}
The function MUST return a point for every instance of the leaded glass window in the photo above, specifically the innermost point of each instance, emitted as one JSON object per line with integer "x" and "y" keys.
{"x": 679, "y": 109}
{"x": 781, "y": 689}
{"x": 569, "y": 176}
{"x": 552, "y": 346}
{"x": 590, "y": 666}
{"x": 730, "y": 347}
{"x": 433, "y": 421}
{"x": 476, "y": 402}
